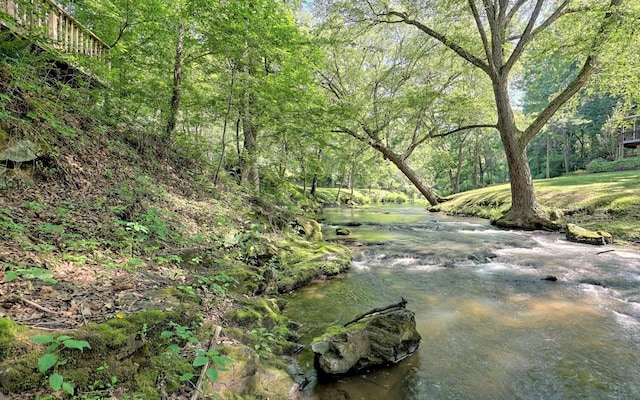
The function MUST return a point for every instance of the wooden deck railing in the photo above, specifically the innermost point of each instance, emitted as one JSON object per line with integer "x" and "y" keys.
{"x": 630, "y": 130}
{"x": 47, "y": 19}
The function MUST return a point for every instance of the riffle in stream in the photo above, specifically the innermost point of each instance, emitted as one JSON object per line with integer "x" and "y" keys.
{"x": 492, "y": 326}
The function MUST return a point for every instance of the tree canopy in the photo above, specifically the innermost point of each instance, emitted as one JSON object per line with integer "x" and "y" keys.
{"x": 455, "y": 94}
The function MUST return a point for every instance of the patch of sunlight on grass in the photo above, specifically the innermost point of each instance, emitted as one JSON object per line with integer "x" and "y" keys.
{"x": 607, "y": 201}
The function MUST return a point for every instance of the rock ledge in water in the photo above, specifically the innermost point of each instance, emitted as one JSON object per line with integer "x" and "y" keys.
{"x": 381, "y": 337}
{"x": 578, "y": 234}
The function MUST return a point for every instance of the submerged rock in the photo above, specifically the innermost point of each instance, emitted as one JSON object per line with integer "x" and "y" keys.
{"x": 380, "y": 339}
{"x": 578, "y": 234}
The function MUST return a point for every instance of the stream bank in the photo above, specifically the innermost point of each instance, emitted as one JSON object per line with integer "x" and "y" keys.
{"x": 503, "y": 314}
{"x": 151, "y": 343}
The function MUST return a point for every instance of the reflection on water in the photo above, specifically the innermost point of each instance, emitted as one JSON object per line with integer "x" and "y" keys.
{"x": 491, "y": 326}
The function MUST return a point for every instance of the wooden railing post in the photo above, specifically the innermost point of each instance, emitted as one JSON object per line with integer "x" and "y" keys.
{"x": 61, "y": 30}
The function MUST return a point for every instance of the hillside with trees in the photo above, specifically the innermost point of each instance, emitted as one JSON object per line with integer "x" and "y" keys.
{"x": 168, "y": 186}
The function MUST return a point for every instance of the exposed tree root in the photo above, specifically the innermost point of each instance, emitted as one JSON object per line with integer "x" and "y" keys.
{"x": 527, "y": 220}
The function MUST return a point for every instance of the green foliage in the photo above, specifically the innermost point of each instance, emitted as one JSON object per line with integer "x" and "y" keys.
{"x": 621, "y": 164}
{"x": 262, "y": 337}
{"x": 8, "y": 228}
{"x": 209, "y": 359}
{"x": 395, "y": 198}
{"x": 180, "y": 334}
{"x": 212, "y": 361}
{"x": 58, "y": 125}
{"x": 44, "y": 275}
{"x": 52, "y": 359}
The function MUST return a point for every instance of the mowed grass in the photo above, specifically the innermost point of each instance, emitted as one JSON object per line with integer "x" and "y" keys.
{"x": 607, "y": 201}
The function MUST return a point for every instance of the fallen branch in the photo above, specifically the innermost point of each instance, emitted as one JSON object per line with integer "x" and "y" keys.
{"x": 604, "y": 251}
{"x": 381, "y": 310}
{"x": 198, "y": 389}
{"x": 18, "y": 297}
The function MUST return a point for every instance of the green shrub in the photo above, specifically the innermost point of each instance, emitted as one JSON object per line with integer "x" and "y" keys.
{"x": 621, "y": 164}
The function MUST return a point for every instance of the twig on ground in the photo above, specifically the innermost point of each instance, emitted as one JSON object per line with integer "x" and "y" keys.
{"x": 198, "y": 390}
{"x": 18, "y": 297}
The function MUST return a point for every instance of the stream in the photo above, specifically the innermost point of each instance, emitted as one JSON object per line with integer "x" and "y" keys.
{"x": 492, "y": 326}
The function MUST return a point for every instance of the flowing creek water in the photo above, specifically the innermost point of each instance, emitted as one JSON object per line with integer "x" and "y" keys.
{"x": 491, "y": 326}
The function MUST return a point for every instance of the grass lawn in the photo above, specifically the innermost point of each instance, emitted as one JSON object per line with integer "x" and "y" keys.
{"x": 607, "y": 201}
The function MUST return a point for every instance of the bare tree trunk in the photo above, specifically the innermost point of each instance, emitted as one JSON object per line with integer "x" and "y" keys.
{"x": 224, "y": 126}
{"x": 238, "y": 149}
{"x": 177, "y": 78}
{"x": 249, "y": 171}
{"x": 314, "y": 185}
{"x": 525, "y": 211}
{"x": 476, "y": 161}
{"x": 452, "y": 182}
{"x": 456, "y": 181}
{"x": 432, "y": 197}
{"x": 548, "y": 153}
{"x": 314, "y": 182}
{"x": 566, "y": 151}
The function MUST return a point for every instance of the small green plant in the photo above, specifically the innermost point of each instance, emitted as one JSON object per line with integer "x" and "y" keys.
{"x": 33, "y": 205}
{"x": 219, "y": 283}
{"x": 209, "y": 359}
{"x": 83, "y": 244}
{"x": 178, "y": 334}
{"x": 50, "y": 229}
{"x": 155, "y": 223}
{"x": 136, "y": 227}
{"x": 263, "y": 337}
{"x": 247, "y": 240}
{"x": 188, "y": 289}
{"x": 172, "y": 259}
{"x": 98, "y": 386}
{"x": 40, "y": 247}
{"x": 51, "y": 358}
{"x": 196, "y": 260}
{"x": 134, "y": 263}
{"x": 8, "y": 228}
{"x": 31, "y": 273}
{"x": 212, "y": 360}
{"x": 79, "y": 259}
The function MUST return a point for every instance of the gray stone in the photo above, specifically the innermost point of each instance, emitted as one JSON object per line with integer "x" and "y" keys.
{"x": 22, "y": 151}
{"x": 378, "y": 340}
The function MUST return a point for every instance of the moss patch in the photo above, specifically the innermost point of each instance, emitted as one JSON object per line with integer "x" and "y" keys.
{"x": 302, "y": 261}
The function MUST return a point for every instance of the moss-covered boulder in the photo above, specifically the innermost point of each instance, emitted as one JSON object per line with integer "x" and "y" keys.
{"x": 308, "y": 227}
{"x": 343, "y": 231}
{"x": 301, "y": 261}
{"x": 378, "y": 340}
{"x": 578, "y": 234}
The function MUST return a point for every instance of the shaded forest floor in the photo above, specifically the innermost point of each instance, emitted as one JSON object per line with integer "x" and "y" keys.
{"x": 117, "y": 238}
{"x": 608, "y": 201}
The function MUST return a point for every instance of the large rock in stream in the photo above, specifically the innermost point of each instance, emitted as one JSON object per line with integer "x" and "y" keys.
{"x": 381, "y": 337}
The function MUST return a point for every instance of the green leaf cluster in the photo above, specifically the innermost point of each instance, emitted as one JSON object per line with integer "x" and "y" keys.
{"x": 52, "y": 360}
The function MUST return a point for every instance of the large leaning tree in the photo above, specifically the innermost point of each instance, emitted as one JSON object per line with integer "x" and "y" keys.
{"x": 503, "y": 31}
{"x": 391, "y": 89}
